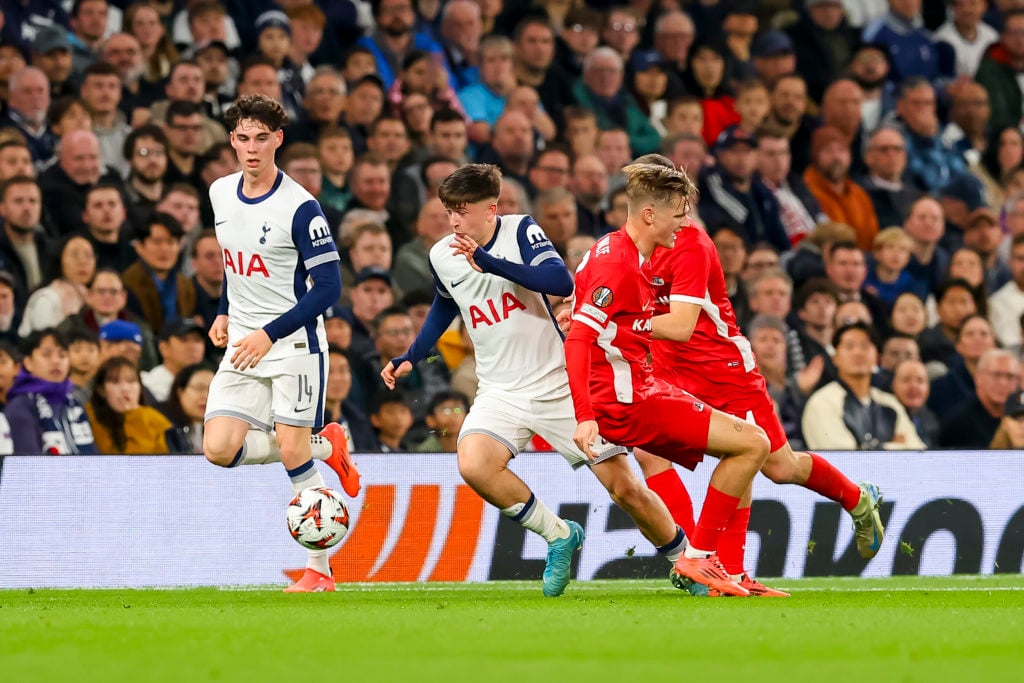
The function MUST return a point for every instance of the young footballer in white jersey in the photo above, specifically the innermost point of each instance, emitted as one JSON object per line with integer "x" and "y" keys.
{"x": 495, "y": 272}
{"x": 281, "y": 273}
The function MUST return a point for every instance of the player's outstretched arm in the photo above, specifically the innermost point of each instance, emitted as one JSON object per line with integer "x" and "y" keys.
{"x": 442, "y": 313}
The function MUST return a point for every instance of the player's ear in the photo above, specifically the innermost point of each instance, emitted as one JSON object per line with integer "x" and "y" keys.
{"x": 492, "y": 211}
{"x": 279, "y": 134}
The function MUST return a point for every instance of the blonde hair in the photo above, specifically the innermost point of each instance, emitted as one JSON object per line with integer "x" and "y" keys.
{"x": 892, "y": 237}
{"x": 656, "y": 183}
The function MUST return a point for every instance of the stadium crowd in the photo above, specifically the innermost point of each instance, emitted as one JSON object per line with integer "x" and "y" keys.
{"x": 857, "y": 160}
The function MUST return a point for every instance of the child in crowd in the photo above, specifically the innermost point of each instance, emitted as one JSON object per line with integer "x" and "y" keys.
{"x": 447, "y": 413}
{"x": 391, "y": 418}
{"x": 887, "y": 276}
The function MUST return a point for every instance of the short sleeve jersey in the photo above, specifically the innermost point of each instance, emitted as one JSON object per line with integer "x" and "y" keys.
{"x": 615, "y": 298}
{"x": 270, "y": 244}
{"x": 690, "y": 272}
{"x": 516, "y": 340}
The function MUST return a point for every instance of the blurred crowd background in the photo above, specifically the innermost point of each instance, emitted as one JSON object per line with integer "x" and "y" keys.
{"x": 859, "y": 161}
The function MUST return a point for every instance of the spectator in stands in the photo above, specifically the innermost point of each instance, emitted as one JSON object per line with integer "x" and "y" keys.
{"x": 137, "y": 93}
{"x": 371, "y": 294}
{"x": 969, "y": 114}
{"x": 685, "y": 115}
{"x": 83, "y": 360}
{"x": 829, "y": 181}
{"x": 870, "y": 70}
{"x": 371, "y": 187}
{"x": 588, "y": 183}
{"x": 412, "y": 265}
{"x": 104, "y": 216}
{"x": 369, "y": 247}
{"x": 895, "y": 349}
{"x": 259, "y": 75}
{"x": 183, "y": 129}
{"x": 187, "y": 83}
{"x": 973, "y": 339}
{"x": 274, "y": 42}
{"x": 394, "y": 38}
{"x": 337, "y": 328}
{"x": 824, "y": 44}
{"x": 484, "y": 101}
{"x": 157, "y": 292}
{"x": 930, "y": 163}
{"x": 186, "y": 408}
{"x": 911, "y": 49}
{"x": 555, "y": 210}
{"x": 956, "y": 300}
{"x": 363, "y": 106}
{"x": 789, "y": 113}
{"x": 67, "y": 183}
{"x": 600, "y": 89}
{"x": 579, "y": 36}
{"x": 322, "y": 107}
{"x": 909, "y": 315}
{"x": 512, "y": 146}
{"x": 850, "y": 414}
{"x": 707, "y": 81}
{"x": 841, "y": 109}
{"x": 732, "y": 254}
{"x": 774, "y": 56}
{"x": 752, "y": 105}
{"x": 101, "y": 93}
{"x": 121, "y": 338}
{"x": 961, "y": 196}
{"x": 122, "y": 425}
{"x": 771, "y": 293}
{"x": 10, "y": 312}
{"x": 68, "y": 113}
{"x": 145, "y": 150}
{"x": 460, "y": 29}
{"x": 767, "y": 336}
{"x": 688, "y": 152}
{"x": 143, "y": 21}
{"x": 910, "y": 387}
{"x": 887, "y": 276}
{"x": 181, "y": 201}
{"x": 929, "y": 261}
{"x": 973, "y": 425}
{"x": 1007, "y": 304}
{"x": 66, "y": 293}
{"x": 967, "y": 264}
{"x": 10, "y": 364}
{"x": 999, "y": 72}
{"x": 886, "y": 160}
{"x": 799, "y": 210}
{"x": 847, "y": 269}
{"x": 649, "y": 84}
{"x": 535, "y": 66}
{"x": 967, "y": 34}
{"x": 339, "y": 408}
{"x": 28, "y": 100}
{"x": 1010, "y": 434}
{"x": 391, "y": 419}
{"x": 447, "y": 413}
{"x": 731, "y": 194}
{"x": 26, "y": 252}
{"x": 15, "y": 159}
{"x": 45, "y": 416}
{"x": 1004, "y": 152}
{"x": 334, "y": 147}
{"x": 549, "y": 168}
{"x": 181, "y": 344}
{"x": 814, "y": 306}
{"x": 513, "y": 198}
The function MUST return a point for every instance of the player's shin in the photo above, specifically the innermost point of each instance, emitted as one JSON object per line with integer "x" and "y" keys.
{"x": 303, "y": 477}
{"x": 669, "y": 487}
{"x": 259, "y": 448}
{"x": 828, "y": 481}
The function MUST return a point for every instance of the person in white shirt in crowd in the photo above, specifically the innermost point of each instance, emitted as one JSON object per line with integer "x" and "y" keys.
{"x": 967, "y": 34}
{"x": 181, "y": 344}
{"x": 1006, "y": 305}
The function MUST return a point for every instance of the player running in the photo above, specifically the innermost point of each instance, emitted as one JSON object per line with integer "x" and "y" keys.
{"x": 613, "y": 387}
{"x": 716, "y": 363}
{"x": 281, "y": 273}
{"x": 495, "y": 271}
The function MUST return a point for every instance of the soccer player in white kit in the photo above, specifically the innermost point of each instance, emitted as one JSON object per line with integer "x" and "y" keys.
{"x": 281, "y": 273}
{"x": 495, "y": 271}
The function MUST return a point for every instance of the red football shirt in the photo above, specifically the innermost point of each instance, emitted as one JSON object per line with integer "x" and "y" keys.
{"x": 691, "y": 272}
{"x": 606, "y": 350}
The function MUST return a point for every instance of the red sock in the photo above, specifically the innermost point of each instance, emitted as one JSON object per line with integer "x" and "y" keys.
{"x": 831, "y": 483}
{"x": 670, "y": 489}
{"x": 733, "y": 542}
{"x": 714, "y": 517}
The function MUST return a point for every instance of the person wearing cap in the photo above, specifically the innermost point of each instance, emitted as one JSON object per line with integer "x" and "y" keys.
{"x": 1007, "y": 304}
{"x": 45, "y": 416}
{"x": 913, "y": 51}
{"x": 371, "y": 293}
{"x": 732, "y": 196}
{"x": 1010, "y": 435}
{"x": 823, "y": 42}
{"x": 974, "y": 423}
{"x": 394, "y": 36}
{"x": 121, "y": 338}
{"x": 274, "y": 41}
{"x": 51, "y": 53}
{"x": 773, "y": 56}
{"x": 984, "y": 234}
{"x": 182, "y": 343}
{"x": 649, "y": 84}
{"x": 600, "y": 89}
{"x": 828, "y": 178}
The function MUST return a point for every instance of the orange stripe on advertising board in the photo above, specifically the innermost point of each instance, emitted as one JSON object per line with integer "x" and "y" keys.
{"x": 360, "y": 551}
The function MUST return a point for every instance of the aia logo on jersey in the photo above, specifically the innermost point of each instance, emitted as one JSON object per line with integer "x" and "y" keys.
{"x": 238, "y": 264}
{"x": 319, "y": 231}
{"x": 478, "y": 315}
{"x": 602, "y": 297}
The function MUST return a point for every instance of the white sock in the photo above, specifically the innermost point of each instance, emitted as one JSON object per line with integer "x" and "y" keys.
{"x": 736, "y": 577}
{"x": 535, "y": 516}
{"x": 696, "y": 553}
{"x": 259, "y": 448}
{"x": 303, "y": 477}
{"x": 321, "y": 448}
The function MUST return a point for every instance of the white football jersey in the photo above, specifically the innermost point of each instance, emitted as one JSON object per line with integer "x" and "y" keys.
{"x": 270, "y": 243}
{"x": 518, "y": 346}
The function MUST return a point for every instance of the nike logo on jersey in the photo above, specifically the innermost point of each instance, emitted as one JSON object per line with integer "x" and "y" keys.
{"x": 219, "y": 223}
{"x": 456, "y": 284}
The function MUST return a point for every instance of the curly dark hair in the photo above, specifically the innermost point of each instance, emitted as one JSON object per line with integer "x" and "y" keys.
{"x": 104, "y": 412}
{"x": 259, "y": 108}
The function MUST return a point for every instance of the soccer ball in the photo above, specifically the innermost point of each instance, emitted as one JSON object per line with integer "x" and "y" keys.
{"x": 318, "y": 518}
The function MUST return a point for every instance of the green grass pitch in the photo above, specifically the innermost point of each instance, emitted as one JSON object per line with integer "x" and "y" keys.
{"x": 831, "y": 630}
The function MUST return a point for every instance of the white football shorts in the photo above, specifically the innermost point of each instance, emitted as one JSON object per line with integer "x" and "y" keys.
{"x": 289, "y": 391}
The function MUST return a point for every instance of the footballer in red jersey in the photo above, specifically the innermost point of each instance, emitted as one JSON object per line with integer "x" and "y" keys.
{"x": 614, "y": 391}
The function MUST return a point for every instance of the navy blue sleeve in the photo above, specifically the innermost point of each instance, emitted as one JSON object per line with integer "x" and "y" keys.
{"x": 442, "y": 313}
{"x": 318, "y": 255}
{"x": 222, "y": 305}
{"x": 26, "y": 432}
{"x": 542, "y": 269}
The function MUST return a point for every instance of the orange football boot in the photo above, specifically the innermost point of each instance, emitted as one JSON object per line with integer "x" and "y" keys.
{"x": 340, "y": 460}
{"x": 312, "y": 581}
{"x": 710, "y": 572}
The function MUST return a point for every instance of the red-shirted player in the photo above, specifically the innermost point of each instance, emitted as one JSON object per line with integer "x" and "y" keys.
{"x": 613, "y": 387}
{"x": 716, "y": 363}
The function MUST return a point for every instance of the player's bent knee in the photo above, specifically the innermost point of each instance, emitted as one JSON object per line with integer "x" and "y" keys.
{"x": 650, "y": 464}
{"x": 218, "y": 452}
{"x": 780, "y": 468}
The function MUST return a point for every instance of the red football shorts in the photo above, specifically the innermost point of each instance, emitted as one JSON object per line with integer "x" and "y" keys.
{"x": 671, "y": 424}
{"x": 732, "y": 390}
